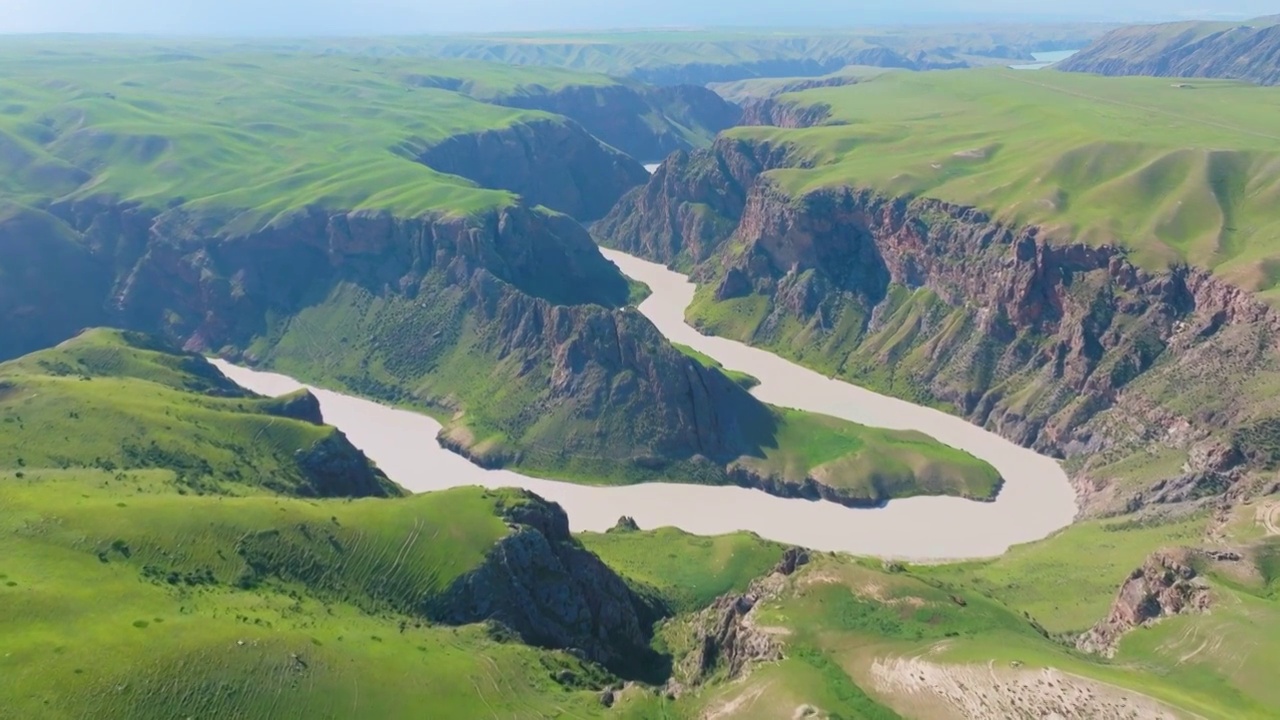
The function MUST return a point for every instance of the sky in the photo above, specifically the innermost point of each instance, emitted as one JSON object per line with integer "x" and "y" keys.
{"x": 365, "y": 17}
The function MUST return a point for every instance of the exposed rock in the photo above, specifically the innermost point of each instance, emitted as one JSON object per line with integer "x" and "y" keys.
{"x": 726, "y": 639}
{"x": 1165, "y": 585}
{"x": 1064, "y": 347}
{"x": 792, "y": 559}
{"x": 622, "y": 115}
{"x": 779, "y": 113}
{"x": 1248, "y": 51}
{"x": 541, "y": 584}
{"x": 626, "y": 523}
{"x": 333, "y": 467}
{"x": 549, "y": 162}
{"x": 301, "y": 405}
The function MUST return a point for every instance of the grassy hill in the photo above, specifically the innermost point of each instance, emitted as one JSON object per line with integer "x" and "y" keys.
{"x": 121, "y": 403}
{"x": 1176, "y": 175}
{"x": 252, "y": 134}
{"x": 126, "y": 592}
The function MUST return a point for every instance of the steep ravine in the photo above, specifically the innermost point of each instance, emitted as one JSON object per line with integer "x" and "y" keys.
{"x": 646, "y": 122}
{"x": 550, "y": 162}
{"x": 1066, "y": 348}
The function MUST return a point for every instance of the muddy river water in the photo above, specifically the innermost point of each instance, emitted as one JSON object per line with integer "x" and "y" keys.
{"x": 1035, "y": 501}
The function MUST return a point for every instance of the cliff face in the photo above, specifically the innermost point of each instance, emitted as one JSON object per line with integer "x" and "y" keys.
{"x": 39, "y": 311}
{"x": 780, "y": 113}
{"x": 644, "y": 122}
{"x": 1063, "y": 347}
{"x": 508, "y": 322}
{"x": 691, "y": 204}
{"x": 541, "y": 584}
{"x": 1244, "y": 52}
{"x": 1166, "y": 585}
{"x": 549, "y": 162}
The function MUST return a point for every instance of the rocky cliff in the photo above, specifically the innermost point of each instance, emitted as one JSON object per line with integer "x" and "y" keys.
{"x": 726, "y": 641}
{"x": 1249, "y": 51}
{"x": 1166, "y": 585}
{"x": 549, "y": 162}
{"x": 541, "y": 584}
{"x": 1067, "y": 348}
{"x": 781, "y": 113}
{"x": 508, "y": 324}
{"x": 646, "y": 122}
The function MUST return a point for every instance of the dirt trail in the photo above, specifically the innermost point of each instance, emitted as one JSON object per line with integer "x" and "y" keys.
{"x": 1269, "y": 516}
{"x": 980, "y": 692}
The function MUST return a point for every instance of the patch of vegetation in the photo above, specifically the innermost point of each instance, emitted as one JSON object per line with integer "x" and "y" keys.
{"x": 687, "y": 571}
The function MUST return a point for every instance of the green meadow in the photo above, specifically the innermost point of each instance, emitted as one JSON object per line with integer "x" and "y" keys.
{"x": 1176, "y": 172}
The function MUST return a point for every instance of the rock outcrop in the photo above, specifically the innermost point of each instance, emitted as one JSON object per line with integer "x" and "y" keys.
{"x": 780, "y": 113}
{"x": 542, "y": 585}
{"x": 1248, "y": 51}
{"x": 1067, "y": 348}
{"x": 646, "y": 122}
{"x": 334, "y": 468}
{"x": 726, "y": 641}
{"x": 548, "y": 162}
{"x": 1166, "y": 585}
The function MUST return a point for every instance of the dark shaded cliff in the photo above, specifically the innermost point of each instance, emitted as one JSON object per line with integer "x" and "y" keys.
{"x": 1249, "y": 51}
{"x": 540, "y": 583}
{"x": 1067, "y": 348}
{"x": 647, "y": 123}
{"x": 550, "y": 162}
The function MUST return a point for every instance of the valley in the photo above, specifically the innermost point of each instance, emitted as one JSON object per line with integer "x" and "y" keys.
{"x": 685, "y": 373}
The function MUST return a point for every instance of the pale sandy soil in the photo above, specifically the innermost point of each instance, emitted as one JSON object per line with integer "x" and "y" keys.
{"x": 925, "y": 689}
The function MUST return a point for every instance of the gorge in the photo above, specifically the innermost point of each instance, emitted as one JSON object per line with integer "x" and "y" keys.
{"x": 1035, "y": 500}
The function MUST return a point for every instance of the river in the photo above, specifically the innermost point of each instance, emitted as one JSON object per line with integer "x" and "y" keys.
{"x": 1036, "y": 499}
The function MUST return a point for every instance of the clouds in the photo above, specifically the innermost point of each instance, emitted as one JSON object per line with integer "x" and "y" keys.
{"x": 357, "y": 17}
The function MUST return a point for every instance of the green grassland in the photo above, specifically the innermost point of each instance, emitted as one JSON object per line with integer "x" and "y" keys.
{"x": 838, "y": 616}
{"x": 118, "y": 402}
{"x": 138, "y": 602}
{"x": 258, "y": 134}
{"x": 126, "y": 594}
{"x": 686, "y": 570}
{"x": 1174, "y": 174}
{"x": 869, "y": 464}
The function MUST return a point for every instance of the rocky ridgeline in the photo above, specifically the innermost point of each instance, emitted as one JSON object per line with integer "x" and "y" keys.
{"x": 1248, "y": 51}
{"x": 1067, "y": 348}
{"x": 621, "y": 115}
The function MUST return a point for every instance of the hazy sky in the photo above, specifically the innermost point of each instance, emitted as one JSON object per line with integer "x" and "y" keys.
{"x": 306, "y": 17}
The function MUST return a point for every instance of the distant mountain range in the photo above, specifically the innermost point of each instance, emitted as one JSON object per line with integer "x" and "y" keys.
{"x": 1240, "y": 51}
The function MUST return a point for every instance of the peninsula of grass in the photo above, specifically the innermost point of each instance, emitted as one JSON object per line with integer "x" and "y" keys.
{"x": 1173, "y": 172}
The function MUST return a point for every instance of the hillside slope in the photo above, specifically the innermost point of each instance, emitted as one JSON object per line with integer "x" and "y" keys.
{"x": 121, "y": 402}
{"x": 373, "y": 272}
{"x": 1025, "y": 271}
{"x": 1247, "y": 51}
